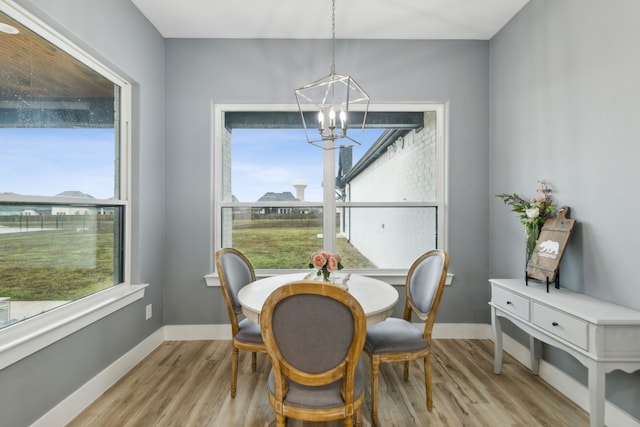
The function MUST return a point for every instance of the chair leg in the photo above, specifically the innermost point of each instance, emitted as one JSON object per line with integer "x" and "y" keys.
{"x": 280, "y": 420}
{"x": 234, "y": 371}
{"x": 375, "y": 369}
{"x": 253, "y": 361}
{"x": 359, "y": 418}
{"x": 348, "y": 422}
{"x": 406, "y": 371}
{"x": 427, "y": 381}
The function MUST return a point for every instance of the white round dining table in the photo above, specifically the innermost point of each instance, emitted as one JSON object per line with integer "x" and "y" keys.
{"x": 377, "y": 298}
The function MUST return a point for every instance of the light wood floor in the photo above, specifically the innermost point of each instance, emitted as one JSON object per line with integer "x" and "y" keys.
{"x": 186, "y": 383}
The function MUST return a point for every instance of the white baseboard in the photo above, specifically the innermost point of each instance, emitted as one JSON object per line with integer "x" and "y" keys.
{"x": 197, "y": 332}
{"x": 572, "y": 389}
{"x": 461, "y": 331}
{"x": 75, "y": 403}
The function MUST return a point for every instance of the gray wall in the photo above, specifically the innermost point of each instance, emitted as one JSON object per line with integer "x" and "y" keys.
{"x": 202, "y": 72}
{"x": 564, "y": 107}
{"x": 116, "y": 32}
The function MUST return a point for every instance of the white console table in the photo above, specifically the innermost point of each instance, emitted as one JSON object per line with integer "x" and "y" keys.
{"x": 604, "y": 337}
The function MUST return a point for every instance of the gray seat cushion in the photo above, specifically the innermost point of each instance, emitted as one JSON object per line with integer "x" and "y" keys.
{"x": 249, "y": 332}
{"x": 394, "y": 335}
{"x": 326, "y": 396}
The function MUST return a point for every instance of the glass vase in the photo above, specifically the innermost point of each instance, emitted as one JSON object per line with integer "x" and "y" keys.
{"x": 532, "y": 234}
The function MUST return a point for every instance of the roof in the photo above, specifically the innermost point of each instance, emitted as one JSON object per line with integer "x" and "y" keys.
{"x": 75, "y": 194}
{"x": 285, "y": 196}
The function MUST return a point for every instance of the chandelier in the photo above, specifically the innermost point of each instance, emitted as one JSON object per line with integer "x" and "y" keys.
{"x": 325, "y": 104}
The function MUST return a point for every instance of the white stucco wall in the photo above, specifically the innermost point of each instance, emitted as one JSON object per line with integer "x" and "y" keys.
{"x": 406, "y": 172}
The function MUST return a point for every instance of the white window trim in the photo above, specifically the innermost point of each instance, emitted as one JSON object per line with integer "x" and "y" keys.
{"x": 31, "y": 335}
{"x": 392, "y": 276}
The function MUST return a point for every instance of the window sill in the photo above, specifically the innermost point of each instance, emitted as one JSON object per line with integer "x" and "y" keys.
{"x": 393, "y": 277}
{"x": 28, "y": 336}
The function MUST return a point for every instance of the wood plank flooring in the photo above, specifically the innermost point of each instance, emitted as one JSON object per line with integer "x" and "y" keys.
{"x": 186, "y": 384}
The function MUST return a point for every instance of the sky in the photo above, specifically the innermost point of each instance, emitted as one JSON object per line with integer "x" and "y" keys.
{"x": 270, "y": 160}
{"x": 46, "y": 162}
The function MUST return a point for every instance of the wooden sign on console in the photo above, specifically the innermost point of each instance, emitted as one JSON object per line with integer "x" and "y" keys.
{"x": 544, "y": 264}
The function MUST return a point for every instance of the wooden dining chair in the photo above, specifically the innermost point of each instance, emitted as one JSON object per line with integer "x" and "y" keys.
{"x": 235, "y": 271}
{"x": 399, "y": 340}
{"x": 314, "y": 333}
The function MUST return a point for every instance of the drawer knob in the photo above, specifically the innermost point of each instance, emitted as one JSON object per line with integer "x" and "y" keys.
{"x": 554, "y": 323}
{"x": 509, "y": 303}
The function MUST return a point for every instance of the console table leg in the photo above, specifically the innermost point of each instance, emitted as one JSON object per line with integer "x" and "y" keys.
{"x": 496, "y": 328}
{"x": 596, "y": 395}
{"x": 535, "y": 348}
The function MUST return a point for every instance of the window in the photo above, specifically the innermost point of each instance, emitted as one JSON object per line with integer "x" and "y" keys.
{"x": 279, "y": 199}
{"x": 63, "y": 173}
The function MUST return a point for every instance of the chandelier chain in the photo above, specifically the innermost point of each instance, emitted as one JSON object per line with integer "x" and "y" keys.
{"x": 333, "y": 37}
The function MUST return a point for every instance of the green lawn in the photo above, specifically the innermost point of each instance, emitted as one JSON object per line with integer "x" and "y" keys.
{"x": 68, "y": 264}
{"x": 288, "y": 244}
{"x": 55, "y": 265}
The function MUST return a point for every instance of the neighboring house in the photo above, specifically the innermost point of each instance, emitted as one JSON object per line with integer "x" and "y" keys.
{"x": 73, "y": 210}
{"x": 285, "y": 196}
{"x": 35, "y": 211}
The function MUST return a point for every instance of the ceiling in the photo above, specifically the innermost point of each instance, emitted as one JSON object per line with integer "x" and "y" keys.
{"x": 32, "y": 67}
{"x": 311, "y": 19}
{"x": 43, "y": 86}
{"x": 358, "y": 19}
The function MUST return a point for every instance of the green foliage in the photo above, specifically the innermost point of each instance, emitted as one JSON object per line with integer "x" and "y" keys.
{"x": 532, "y": 213}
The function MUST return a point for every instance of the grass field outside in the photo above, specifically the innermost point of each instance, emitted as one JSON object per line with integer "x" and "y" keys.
{"x": 70, "y": 263}
{"x": 55, "y": 265}
{"x": 288, "y": 244}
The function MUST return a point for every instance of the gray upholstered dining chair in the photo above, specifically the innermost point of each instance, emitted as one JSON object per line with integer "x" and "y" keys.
{"x": 235, "y": 271}
{"x": 399, "y": 340}
{"x": 314, "y": 333}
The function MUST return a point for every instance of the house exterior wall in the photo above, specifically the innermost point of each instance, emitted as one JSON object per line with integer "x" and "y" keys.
{"x": 405, "y": 172}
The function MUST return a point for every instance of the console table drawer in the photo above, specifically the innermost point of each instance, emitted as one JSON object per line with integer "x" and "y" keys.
{"x": 511, "y": 302}
{"x": 562, "y": 325}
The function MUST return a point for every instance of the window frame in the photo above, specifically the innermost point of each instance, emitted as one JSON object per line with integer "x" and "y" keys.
{"x": 30, "y": 335}
{"x": 394, "y": 276}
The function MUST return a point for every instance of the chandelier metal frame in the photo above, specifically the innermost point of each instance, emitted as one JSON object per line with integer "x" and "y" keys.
{"x": 325, "y": 104}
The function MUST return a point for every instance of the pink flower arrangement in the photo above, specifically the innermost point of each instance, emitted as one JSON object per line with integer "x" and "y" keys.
{"x": 325, "y": 263}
